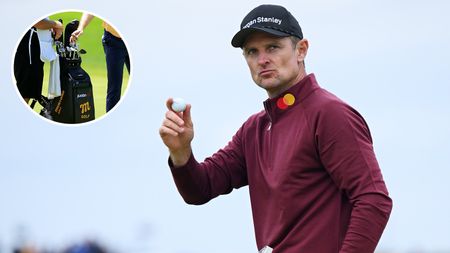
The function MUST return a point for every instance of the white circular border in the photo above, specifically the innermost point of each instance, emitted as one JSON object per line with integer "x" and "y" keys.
{"x": 14, "y": 82}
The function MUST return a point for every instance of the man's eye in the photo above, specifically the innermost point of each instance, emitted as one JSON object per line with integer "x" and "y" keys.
{"x": 251, "y": 51}
{"x": 272, "y": 47}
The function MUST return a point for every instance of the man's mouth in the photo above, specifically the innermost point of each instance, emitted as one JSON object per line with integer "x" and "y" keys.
{"x": 266, "y": 72}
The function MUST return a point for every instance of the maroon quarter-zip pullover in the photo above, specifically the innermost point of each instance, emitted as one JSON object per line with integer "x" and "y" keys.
{"x": 315, "y": 184}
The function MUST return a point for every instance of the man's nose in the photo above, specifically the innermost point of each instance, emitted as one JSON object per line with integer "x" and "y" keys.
{"x": 263, "y": 58}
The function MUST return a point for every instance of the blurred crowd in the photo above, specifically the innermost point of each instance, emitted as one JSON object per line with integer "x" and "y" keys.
{"x": 85, "y": 247}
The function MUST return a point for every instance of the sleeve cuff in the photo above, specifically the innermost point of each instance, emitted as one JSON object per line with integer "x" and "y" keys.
{"x": 184, "y": 168}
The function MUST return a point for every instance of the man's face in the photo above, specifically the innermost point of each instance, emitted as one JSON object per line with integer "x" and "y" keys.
{"x": 275, "y": 63}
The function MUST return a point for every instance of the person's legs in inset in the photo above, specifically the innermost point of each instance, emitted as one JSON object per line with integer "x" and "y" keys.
{"x": 116, "y": 57}
{"x": 28, "y": 67}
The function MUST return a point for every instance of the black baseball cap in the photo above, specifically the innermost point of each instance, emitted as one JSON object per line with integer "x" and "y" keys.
{"x": 273, "y": 19}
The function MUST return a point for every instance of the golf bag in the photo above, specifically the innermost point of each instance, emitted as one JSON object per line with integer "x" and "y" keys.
{"x": 76, "y": 103}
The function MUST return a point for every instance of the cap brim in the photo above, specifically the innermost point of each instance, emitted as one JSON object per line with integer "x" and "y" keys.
{"x": 241, "y": 36}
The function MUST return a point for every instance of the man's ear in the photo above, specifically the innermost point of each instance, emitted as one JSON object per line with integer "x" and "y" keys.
{"x": 302, "y": 49}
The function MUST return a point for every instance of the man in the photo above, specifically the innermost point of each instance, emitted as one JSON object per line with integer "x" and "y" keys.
{"x": 315, "y": 185}
{"x": 28, "y": 64}
{"x": 116, "y": 57}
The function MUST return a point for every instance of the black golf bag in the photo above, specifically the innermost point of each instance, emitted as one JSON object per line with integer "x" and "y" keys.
{"x": 76, "y": 103}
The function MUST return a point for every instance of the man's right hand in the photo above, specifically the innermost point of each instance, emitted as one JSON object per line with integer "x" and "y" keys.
{"x": 177, "y": 132}
{"x": 74, "y": 36}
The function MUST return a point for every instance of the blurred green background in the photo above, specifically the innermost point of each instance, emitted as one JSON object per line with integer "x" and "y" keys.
{"x": 93, "y": 62}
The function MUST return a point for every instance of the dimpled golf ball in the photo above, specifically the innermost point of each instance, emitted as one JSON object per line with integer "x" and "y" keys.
{"x": 178, "y": 105}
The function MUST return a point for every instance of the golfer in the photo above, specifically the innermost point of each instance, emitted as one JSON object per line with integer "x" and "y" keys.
{"x": 28, "y": 63}
{"x": 116, "y": 55}
{"x": 308, "y": 159}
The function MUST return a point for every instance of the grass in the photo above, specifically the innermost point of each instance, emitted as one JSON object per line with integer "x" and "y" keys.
{"x": 93, "y": 62}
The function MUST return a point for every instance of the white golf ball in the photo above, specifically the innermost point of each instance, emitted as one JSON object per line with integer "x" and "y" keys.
{"x": 178, "y": 105}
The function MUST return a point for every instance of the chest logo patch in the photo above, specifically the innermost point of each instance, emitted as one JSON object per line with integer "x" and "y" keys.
{"x": 285, "y": 101}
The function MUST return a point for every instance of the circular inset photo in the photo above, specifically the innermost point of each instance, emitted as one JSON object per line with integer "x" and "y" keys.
{"x": 71, "y": 67}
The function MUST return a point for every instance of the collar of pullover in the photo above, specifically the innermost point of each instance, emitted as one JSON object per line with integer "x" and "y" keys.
{"x": 275, "y": 107}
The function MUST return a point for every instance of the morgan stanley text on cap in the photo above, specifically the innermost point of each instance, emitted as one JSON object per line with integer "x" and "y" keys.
{"x": 273, "y": 19}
